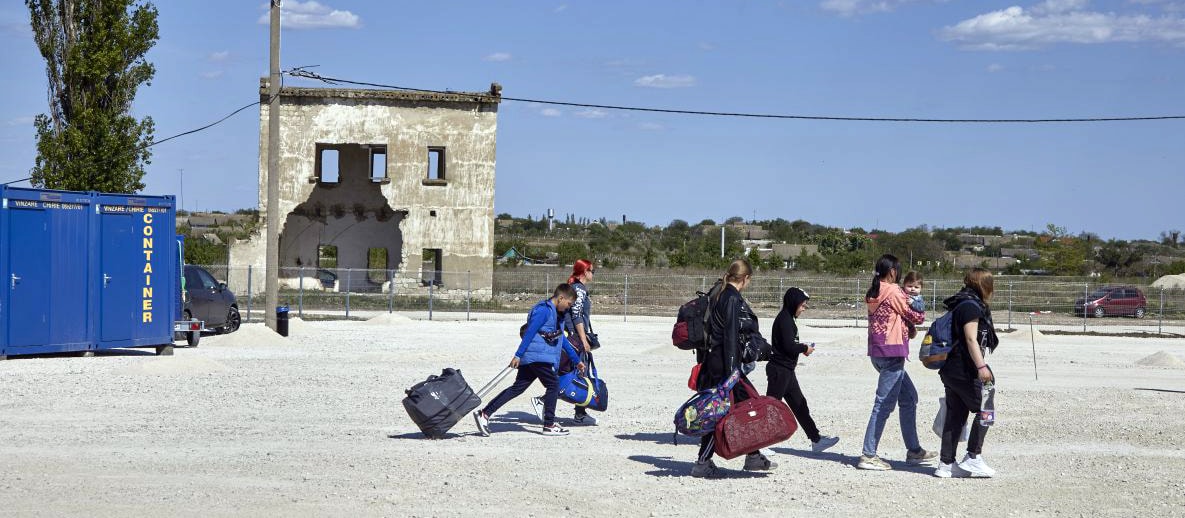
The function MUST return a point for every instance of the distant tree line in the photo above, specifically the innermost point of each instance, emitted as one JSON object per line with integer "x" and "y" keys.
{"x": 682, "y": 245}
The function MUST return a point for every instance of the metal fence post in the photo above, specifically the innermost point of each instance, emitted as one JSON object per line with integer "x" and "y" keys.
{"x": 703, "y": 284}
{"x": 1160, "y": 320}
{"x": 1009, "y": 305}
{"x": 546, "y": 283}
{"x": 300, "y": 294}
{"x": 390, "y": 291}
{"x": 856, "y": 301}
{"x": 248, "y": 293}
{"x": 1085, "y": 295}
{"x": 468, "y": 292}
{"x": 625, "y": 309}
{"x": 348, "y": 286}
{"x": 431, "y": 289}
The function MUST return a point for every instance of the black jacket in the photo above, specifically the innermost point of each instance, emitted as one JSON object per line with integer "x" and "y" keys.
{"x": 786, "y": 345}
{"x": 731, "y": 324}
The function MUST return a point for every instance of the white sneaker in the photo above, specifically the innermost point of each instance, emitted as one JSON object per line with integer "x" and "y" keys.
{"x": 873, "y": 463}
{"x": 537, "y": 404}
{"x": 944, "y": 470}
{"x": 555, "y": 430}
{"x": 483, "y": 423}
{"x": 585, "y": 419}
{"x": 823, "y": 443}
{"x": 976, "y": 467}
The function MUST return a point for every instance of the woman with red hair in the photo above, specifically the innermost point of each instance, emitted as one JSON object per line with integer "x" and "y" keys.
{"x": 579, "y": 329}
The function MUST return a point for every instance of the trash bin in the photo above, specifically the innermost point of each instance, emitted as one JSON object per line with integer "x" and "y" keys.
{"x": 282, "y": 320}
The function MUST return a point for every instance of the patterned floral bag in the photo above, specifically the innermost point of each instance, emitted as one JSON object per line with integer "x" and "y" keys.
{"x": 699, "y": 415}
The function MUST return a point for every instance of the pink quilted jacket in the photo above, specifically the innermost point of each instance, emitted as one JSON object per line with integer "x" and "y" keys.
{"x": 888, "y": 337}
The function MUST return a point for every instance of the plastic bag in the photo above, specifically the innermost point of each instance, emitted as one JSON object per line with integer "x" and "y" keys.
{"x": 940, "y": 421}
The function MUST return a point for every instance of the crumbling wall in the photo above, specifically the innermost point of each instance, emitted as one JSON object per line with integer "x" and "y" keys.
{"x": 403, "y": 210}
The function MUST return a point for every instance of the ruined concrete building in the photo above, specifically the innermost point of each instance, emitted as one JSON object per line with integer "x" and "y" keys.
{"x": 380, "y": 180}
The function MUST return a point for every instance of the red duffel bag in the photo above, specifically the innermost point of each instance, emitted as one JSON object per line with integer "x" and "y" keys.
{"x": 753, "y": 424}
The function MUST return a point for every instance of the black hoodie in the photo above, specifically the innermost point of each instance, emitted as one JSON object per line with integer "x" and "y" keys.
{"x": 786, "y": 346}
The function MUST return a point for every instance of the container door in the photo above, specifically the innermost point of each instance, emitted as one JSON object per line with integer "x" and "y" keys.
{"x": 120, "y": 274}
{"x": 28, "y": 282}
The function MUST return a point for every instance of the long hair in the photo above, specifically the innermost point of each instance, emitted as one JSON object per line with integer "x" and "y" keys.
{"x": 980, "y": 280}
{"x": 884, "y": 267}
{"x": 737, "y": 270}
{"x": 578, "y": 269}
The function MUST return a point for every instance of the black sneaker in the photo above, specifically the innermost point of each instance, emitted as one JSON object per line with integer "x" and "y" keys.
{"x": 555, "y": 429}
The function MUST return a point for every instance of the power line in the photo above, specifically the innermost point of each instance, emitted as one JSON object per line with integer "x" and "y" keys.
{"x": 334, "y": 80}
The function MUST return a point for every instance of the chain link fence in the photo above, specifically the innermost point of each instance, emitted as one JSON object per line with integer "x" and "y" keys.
{"x": 343, "y": 293}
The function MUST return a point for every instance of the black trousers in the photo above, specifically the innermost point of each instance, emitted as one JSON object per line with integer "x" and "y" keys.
{"x": 962, "y": 398}
{"x": 783, "y": 384}
{"x": 527, "y": 374}
{"x": 707, "y": 443}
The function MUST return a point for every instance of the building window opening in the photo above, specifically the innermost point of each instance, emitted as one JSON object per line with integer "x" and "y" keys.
{"x": 376, "y": 265}
{"x": 378, "y": 163}
{"x": 326, "y": 256}
{"x": 436, "y": 163}
{"x": 432, "y": 266}
{"x": 327, "y": 165}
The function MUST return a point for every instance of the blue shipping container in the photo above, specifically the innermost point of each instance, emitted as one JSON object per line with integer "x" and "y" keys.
{"x": 86, "y": 271}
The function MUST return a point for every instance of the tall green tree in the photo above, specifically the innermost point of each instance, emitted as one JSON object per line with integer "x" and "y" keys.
{"x": 94, "y": 55}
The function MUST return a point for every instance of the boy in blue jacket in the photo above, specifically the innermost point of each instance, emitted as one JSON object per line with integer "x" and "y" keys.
{"x": 538, "y": 357}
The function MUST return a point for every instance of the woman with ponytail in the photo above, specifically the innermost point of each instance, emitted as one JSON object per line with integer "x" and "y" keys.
{"x": 888, "y": 346}
{"x": 731, "y": 325}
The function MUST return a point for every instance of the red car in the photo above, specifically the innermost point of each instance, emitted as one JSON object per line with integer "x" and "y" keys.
{"x": 1113, "y": 300}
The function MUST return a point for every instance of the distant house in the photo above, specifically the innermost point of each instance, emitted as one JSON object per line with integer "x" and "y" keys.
{"x": 790, "y": 251}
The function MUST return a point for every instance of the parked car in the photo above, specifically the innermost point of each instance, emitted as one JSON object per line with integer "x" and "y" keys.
{"x": 210, "y": 301}
{"x": 1113, "y": 300}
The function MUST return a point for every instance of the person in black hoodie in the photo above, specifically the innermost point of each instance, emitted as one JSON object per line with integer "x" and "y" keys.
{"x": 736, "y": 341}
{"x": 965, "y": 373}
{"x": 783, "y": 384}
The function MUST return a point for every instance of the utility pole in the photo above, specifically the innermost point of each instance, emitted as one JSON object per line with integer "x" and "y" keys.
{"x": 271, "y": 272}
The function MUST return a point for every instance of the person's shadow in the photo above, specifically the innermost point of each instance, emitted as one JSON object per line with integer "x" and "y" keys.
{"x": 657, "y": 438}
{"x": 851, "y": 460}
{"x": 668, "y": 467}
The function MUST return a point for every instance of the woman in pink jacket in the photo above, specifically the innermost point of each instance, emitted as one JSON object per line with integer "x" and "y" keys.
{"x": 888, "y": 346}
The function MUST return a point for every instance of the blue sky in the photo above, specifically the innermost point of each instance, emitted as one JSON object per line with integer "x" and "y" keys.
{"x": 883, "y": 58}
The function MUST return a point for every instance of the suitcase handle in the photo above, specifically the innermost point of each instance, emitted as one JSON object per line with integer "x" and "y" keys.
{"x": 494, "y": 382}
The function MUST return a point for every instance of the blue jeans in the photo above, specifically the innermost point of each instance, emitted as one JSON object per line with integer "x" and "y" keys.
{"x": 892, "y": 388}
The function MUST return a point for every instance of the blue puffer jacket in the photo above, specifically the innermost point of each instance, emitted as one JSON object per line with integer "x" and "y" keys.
{"x": 533, "y": 348}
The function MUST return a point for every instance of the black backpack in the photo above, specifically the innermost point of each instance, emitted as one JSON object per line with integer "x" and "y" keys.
{"x": 691, "y": 324}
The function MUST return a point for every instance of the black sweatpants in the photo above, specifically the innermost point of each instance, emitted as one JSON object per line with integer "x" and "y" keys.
{"x": 707, "y": 443}
{"x": 962, "y": 398}
{"x": 783, "y": 384}
{"x": 527, "y": 374}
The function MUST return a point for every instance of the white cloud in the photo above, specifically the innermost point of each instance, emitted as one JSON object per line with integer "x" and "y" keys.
{"x": 497, "y": 57}
{"x": 560, "y": 8}
{"x": 592, "y": 113}
{"x": 995, "y": 67}
{"x": 213, "y": 74}
{"x": 665, "y": 81}
{"x": 19, "y": 121}
{"x": 705, "y": 46}
{"x": 855, "y": 7}
{"x": 651, "y": 126}
{"x": 550, "y": 112}
{"x": 1061, "y": 21}
{"x": 295, "y": 14}
{"x": 218, "y": 56}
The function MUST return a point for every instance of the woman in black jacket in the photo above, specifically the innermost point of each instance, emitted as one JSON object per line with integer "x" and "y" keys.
{"x": 783, "y": 384}
{"x": 735, "y": 340}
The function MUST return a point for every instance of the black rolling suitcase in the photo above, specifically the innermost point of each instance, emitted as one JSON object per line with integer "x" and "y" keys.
{"x": 436, "y": 404}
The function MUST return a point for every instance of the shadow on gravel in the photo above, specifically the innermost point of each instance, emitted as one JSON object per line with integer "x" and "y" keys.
{"x": 668, "y": 467}
{"x": 656, "y": 437}
{"x": 1161, "y": 390}
{"x": 828, "y": 456}
{"x": 127, "y": 352}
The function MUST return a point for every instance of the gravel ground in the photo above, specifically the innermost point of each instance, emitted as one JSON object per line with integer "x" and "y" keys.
{"x": 250, "y": 424}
